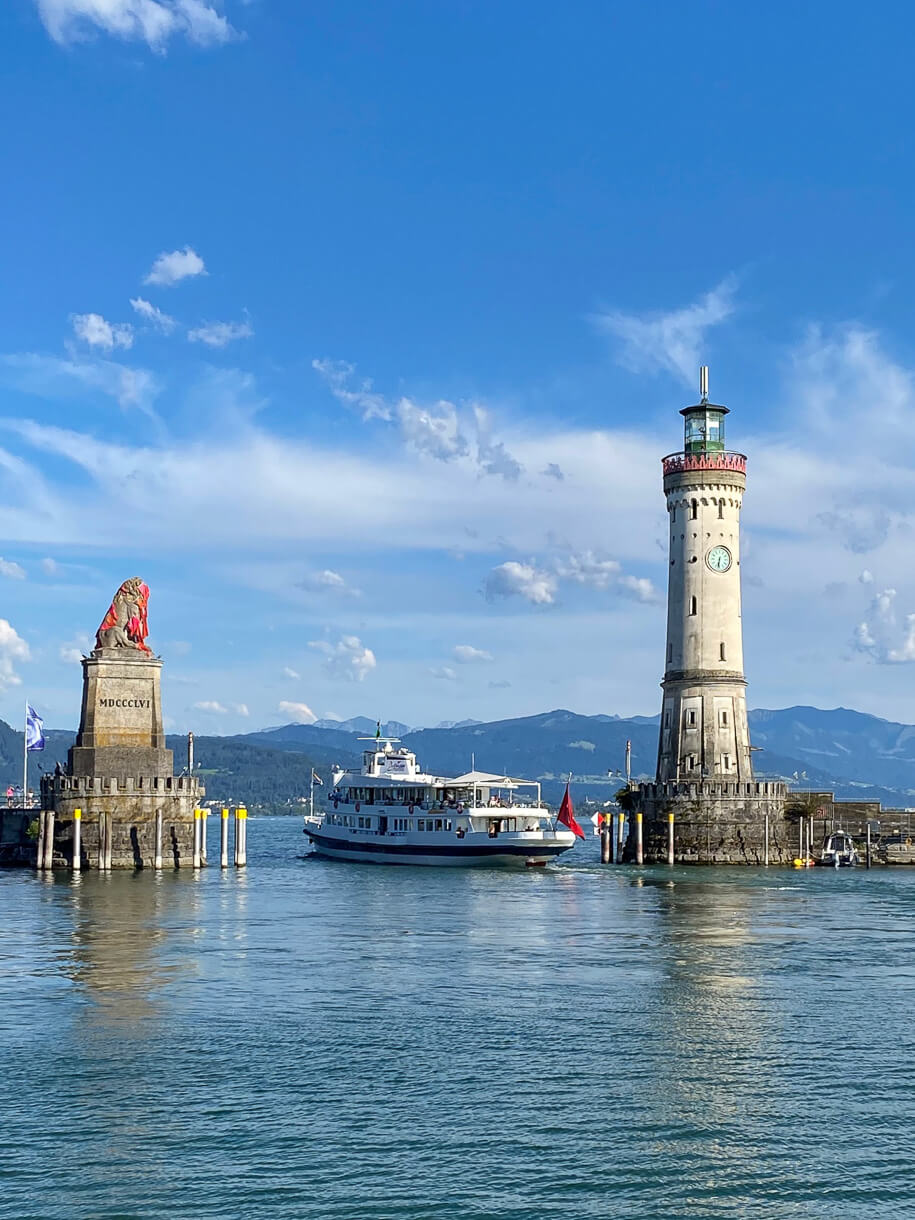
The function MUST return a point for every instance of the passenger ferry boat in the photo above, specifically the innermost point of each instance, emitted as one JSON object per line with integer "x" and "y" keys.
{"x": 391, "y": 812}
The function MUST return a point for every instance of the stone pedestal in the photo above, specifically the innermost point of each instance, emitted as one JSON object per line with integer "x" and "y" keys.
{"x": 120, "y": 730}
{"x": 119, "y": 772}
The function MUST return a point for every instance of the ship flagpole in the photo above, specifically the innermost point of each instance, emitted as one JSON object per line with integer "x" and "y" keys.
{"x": 25, "y": 755}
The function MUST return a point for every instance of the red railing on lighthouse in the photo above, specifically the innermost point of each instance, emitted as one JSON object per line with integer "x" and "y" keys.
{"x": 677, "y": 463}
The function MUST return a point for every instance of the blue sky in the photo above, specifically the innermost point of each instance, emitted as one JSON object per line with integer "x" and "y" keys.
{"x": 358, "y": 332}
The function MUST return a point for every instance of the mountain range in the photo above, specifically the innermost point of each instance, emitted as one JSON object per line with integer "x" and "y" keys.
{"x": 852, "y": 753}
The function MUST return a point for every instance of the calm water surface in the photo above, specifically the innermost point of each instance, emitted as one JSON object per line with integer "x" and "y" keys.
{"x": 309, "y": 1039}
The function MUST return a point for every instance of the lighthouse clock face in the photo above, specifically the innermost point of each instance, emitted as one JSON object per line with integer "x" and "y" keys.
{"x": 719, "y": 559}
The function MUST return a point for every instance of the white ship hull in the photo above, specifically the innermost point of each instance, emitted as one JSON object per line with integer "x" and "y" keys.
{"x": 473, "y": 851}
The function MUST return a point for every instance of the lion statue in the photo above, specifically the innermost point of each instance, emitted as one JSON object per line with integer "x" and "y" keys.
{"x": 125, "y": 624}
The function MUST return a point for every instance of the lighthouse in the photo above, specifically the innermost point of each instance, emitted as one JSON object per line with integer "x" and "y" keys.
{"x": 704, "y": 710}
{"x": 705, "y": 804}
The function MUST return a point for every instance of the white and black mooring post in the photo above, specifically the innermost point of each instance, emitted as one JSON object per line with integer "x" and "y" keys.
{"x": 224, "y": 839}
{"x": 157, "y": 858}
{"x": 241, "y": 837}
{"x": 77, "y": 839}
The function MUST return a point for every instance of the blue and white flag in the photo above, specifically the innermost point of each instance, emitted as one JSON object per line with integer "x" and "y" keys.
{"x": 34, "y": 729}
{"x": 316, "y": 778}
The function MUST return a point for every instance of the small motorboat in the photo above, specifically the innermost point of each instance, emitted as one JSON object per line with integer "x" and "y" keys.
{"x": 838, "y": 851}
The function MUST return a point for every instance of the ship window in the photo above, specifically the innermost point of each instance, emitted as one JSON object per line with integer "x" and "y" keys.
{"x": 448, "y": 823}
{"x": 422, "y": 823}
{"x": 694, "y": 510}
{"x": 438, "y": 823}
{"x": 693, "y": 605}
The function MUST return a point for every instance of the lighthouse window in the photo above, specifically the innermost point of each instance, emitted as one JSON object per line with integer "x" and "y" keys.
{"x": 694, "y": 510}
{"x": 691, "y": 718}
{"x": 673, "y": 514}
{"x": 721, "y": 508}
{"x": 726, "y": 761}
{"x": 724, "y": 720}
{"x": 693, "y": 605}
{"x": 722, "y": 651}
{"x": 670, "y": 652}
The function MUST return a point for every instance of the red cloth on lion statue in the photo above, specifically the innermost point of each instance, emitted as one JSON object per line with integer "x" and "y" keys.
{"x": 126, "y": 623}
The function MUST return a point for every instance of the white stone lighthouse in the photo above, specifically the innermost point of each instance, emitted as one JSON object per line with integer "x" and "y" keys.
{"x": 705, "y": 804}
{"x": 704, "y": 711}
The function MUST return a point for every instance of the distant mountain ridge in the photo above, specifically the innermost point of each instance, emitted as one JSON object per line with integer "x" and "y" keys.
{"x": 853, "y": 753}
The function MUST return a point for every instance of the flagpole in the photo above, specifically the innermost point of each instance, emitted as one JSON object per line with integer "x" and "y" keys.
{"x": 311, "y": 796}
{"x": 25, "y": 756}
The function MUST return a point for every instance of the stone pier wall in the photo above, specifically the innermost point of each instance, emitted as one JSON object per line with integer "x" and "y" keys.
{"x": 716, "y": 822}
{"x": 131, "y": 804}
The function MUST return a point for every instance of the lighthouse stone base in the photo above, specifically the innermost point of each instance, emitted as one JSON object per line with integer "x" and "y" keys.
{"x": 715, "y": 822}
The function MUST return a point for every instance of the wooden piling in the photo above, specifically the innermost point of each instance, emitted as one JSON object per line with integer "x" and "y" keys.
{"x": 241, "y": 837}
{"x": 77, "y": 839}
{"x": 224, "y": 840}
{"x": 670, "y": 839}
{"x": 766, "y": 849}
{"x": 104, "y": 841}
{"x": 49, "y": 839}
{"x": 157, "y": 858}
{"x": 639, "y": 846}
{"x": 39, "y": 842}
{"x": 620, "y": 839}
{"x": 867, "y": 848}
{"x": 195, "y": 858}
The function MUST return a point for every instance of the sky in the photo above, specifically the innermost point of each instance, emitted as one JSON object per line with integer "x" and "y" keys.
{"x": 358, "y": 331}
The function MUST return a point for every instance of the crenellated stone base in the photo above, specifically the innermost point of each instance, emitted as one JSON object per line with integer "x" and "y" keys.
{"x": 129, "y": 807}
{"x": 715, "y": 822}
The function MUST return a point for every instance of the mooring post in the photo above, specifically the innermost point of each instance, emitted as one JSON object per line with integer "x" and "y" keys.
{"x": 195, "y": 859}
{"x": 766, "y": 849}
{"x": 614, "y": 855}
{"x": 241, "y": 836}
{"x": 77, "y": 839}
{"x": 867, "y": 847}
{"x": 670, "y": 839}
{"x": 49, "y": 839}
{"x": 620, "y": 838}
{"x": 157, "y": 858}
{"x": 108, "y": 819}
{"x": 606, "y": 834}
{"x": 39, "y": 842}
{"x": 224, "y": 840}
{"x": 800, "y": 850}
{"x": 203, "y": 835}
{"x": 639, "y": 852}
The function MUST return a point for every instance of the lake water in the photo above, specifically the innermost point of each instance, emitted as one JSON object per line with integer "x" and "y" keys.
{"x": 313, "y": 1039}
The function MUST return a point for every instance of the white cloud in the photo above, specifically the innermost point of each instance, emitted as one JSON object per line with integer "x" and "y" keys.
{"x": 435, "y": 431}
{"x": 337, "y": 374}
{"x": 299, "y": 713}
{"x": 552, "y": 471}
{"x": 151, "y": 21}
{"x": 513, "y": 579}
{"x": 348, "y": 658}
{"x": 12, "y": 570}
{"x": 219, "y": 334}
{"x": 443, "y": 431}
{"x": 95, "y": 331}
{"x": 152, "y": 314}
{"x": 178, "y": 265}
{"x": 466, "y": 654}
{"x": 640, "y": 587}
{"x": 587, "y": 569}
{"x": 671, "y": 341}
{"x": 328, "y": 581}
{"x": 291, "y": 673}
{"x": 445, "y": 672}
{"x": 49, "y": 567}
{"x": 51, "y": 377}
{"x": 13, "y": 648}
{"x": 240, "y": 709}
{"x": 75, "y": 650}
{"x": 212, "y": 706}
{"x": 880, "y": 635}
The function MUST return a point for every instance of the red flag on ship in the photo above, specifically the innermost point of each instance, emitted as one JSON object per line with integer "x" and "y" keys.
{"x": 567, "y": 815}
